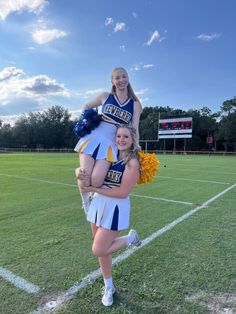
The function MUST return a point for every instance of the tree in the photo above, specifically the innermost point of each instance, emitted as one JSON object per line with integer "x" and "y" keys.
{"x": 6, "y": 136}
{"x": 229, "y": 106}
{"x": 56, "y": 127}
{"x": 49, "y": 129}
{"x": 227, "y": 131}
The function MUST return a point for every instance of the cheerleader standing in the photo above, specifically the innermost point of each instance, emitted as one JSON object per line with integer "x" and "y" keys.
{"x": 109, "y": 211}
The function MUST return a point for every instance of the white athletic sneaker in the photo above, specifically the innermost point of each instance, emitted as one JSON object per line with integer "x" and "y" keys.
{"x": 86, "y": 203}
{"x": 107, "y": 298}
{"x": 135, "y": 240}
{"x": 85, "y": 208}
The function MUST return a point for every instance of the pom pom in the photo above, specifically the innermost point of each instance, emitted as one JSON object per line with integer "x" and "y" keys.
{"x": 88, "y": 121}
{"x": 149, "y": 167}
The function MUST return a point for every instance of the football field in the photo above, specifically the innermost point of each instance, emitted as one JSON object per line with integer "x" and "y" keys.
{"x": 186, "y": 218}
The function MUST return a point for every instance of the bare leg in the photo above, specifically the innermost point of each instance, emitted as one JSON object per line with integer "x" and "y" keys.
{"x": 86, "y": 164}
{"x": 94, "y": 229}
{"x": 104, "y": 261}
{"x": 106, "y": 242}
{"x": 99, "y": 172}
{"x": 100, "y": 243}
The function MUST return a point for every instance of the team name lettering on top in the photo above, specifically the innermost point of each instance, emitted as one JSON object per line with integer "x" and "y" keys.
{"x": 114, "y": 176}
{"x": 118, "y": 112}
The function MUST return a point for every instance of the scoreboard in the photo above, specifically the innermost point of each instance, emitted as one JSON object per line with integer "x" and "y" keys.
{"x": 175, "y": 128}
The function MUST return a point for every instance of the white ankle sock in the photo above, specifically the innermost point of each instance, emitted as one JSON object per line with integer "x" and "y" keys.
{"x": 85, "y": 197}
{"x": 108, "y": 282}
{"x": 128, "y": 239}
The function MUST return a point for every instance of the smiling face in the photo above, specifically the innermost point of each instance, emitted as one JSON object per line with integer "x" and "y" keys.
{"x": 123, "y": 139}
{"x": 120, "y": 79}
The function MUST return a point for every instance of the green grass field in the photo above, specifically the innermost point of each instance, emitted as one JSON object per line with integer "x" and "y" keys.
{"x": 44, "y": 238}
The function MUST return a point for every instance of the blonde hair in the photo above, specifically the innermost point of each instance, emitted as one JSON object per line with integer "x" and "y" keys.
{"x": 131, "y": 93}
{"x": 135, "y": 148}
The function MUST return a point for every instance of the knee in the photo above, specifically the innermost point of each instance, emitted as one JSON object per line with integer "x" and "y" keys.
{"x": 98, "y": 251}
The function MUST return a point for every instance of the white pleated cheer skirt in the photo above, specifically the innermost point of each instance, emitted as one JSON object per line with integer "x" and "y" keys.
{"x": 109, "y": 212}
{"x": 100, "y": 143}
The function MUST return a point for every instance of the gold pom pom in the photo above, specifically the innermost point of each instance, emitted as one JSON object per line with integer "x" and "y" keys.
{"x": 149, "y": 167}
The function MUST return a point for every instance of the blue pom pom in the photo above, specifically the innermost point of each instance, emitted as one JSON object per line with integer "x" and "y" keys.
{"x": 88, "y": 121}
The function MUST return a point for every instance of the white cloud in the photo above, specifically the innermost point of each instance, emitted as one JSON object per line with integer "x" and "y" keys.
{"x": 135, "y": 15}
{"x": 9, "y": 119}
{"x": 89, "y": 93}
{"x": 44, "y": 36}
{"x": 122, "y": 48}
{"x": 139, "y": 66}
{"x": 155, "y": 36}
{"x": 9, "y": 73}
{"x": 144, "y": 101}
{"x": 205, "y": 37}
{"x": 37, "y": 87}
{"x": 42, "y": 85}
{"x": 147, "y": 66}
{"x": 75, "y": 114}
{"x": 120, "y": 26}
{"x": 19, "y": 94}
{"x": 9, "y": 6}
{"x": 109, "y": 21}
{"x": 141, "y": 91}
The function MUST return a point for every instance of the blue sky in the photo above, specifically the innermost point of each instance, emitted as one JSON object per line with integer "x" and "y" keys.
{"x": 61, "y": 52}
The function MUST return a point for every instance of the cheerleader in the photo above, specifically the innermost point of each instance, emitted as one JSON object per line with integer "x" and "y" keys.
{"x": 109, "y": 211}
{"x": 97, "y": 150}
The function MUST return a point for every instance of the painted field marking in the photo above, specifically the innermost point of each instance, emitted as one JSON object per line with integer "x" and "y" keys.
{"x": 64, "y": 297}
{"x": 208, "y": 170}
{"x": 35, "y": 179}
{"x": 161, "y": 199}
{"x": 197, "y": 164}
{"x": 18, "y": 281}
{"x": 74, "y": 185}
{"x": 193, "y": 180}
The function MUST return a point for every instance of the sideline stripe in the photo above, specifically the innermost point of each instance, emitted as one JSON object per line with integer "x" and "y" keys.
{"x": 18, "y": 282}
{"x": 161, "y": 199}
{"x": 212, "y": 171}
{"x": 194, "y": 180}
{"x": 62, "y": 298}
{"x": 197, "y": 164}
{"x": 74, "y": 185}
{"x": 37, "y": 180}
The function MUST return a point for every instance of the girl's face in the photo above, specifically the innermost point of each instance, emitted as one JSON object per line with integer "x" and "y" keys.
{"x": 123, "y": 139}
{"x": 120, "y": 79}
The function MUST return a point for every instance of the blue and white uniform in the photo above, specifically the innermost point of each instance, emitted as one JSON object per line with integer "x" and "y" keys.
{"x": 100, "y": 143}
{"x": 109, "y": 212}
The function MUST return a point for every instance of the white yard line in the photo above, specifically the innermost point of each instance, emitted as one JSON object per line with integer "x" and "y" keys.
{"x": 222, "y": 167}
{"x": 18, "y": 282}
{"x": 37, "y": 180}
{"x": 64, "y": 297}
{"x": 193, "y": 180}
{"x": 161, "y": 199}
{"x": 74, "y": 185}
{"x": 204, "y": 170}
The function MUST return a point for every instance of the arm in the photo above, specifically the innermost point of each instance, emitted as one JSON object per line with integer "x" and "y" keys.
{"x": 129, "y": 180}
{"x": 96, "y": 102}
{"x": 136, "y": 116}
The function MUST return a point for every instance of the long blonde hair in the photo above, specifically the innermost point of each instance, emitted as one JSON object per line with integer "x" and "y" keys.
{"x": 131, "y": 93}
{"x": 135, "y": 148}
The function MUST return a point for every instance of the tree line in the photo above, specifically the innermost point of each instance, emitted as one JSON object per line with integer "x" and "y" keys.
{"x": 53, "y": 128}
